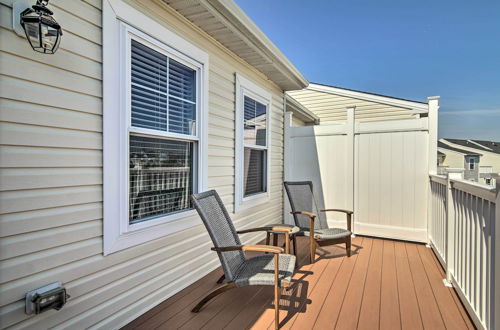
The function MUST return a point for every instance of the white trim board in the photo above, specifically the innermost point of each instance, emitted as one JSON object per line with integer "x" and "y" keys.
{"x": 246, "y": 87}
{"x": 118, "y": 234}
{"x": 417, "y": 107}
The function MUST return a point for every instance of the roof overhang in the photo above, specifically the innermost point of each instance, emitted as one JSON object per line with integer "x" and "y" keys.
{"x": 228, "y": 24}
{"x": 444, "y": 146}
{"x": 299, "y": 111}
{"x": 415, "y": 106}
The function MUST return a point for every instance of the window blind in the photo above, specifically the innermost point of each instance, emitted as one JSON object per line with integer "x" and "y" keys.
{"x": 255, "y": 171}
{"x": 163, "y": 92}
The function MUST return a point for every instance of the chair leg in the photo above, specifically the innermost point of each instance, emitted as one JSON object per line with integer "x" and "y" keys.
{"x": 212, "y": 295}
{"x": 294, "y": 241}
{"x": 277, "y": 296}
{"x": 348, "y": 247}
{"x": 221, "y": 279}
{"x": 312, "y": 250}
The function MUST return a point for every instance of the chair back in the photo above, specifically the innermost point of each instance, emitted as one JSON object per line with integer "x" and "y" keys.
{"x": 301, "y": 197}
{"x": 221, "y": 230}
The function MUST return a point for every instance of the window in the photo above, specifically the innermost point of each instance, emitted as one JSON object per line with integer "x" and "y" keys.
{"x": 252, "y": 144}
{"x": 488, "y": 181}
{"x": 155, "y": 103}
{"x": 162, "y": 140}
{"x": 471, "y": 164}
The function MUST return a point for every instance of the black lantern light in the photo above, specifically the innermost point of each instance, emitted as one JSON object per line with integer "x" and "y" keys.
{"x": 42, "y": 30}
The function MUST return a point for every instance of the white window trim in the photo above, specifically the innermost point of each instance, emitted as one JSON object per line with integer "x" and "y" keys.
{"x": 118, "y": 234}
{"x": 249, "y": 88}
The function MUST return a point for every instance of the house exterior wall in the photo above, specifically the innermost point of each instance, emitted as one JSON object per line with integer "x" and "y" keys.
{"x": 51, "y": 176}
{"x": 473, "y": 174}
{"x": 332, "y": 108}
{"x": 487, "y": 159}
{"x": 452, "y": 159}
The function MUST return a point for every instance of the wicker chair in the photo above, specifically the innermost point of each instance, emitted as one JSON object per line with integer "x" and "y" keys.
{"x": 275, "y": 268}
{"x": 306, "y": 216}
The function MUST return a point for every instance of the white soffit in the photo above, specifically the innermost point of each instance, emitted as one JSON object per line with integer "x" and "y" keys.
{"x": 228, "y": 24}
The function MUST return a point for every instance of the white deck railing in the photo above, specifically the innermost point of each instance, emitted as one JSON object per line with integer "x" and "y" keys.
{"x": 462, "y": 231}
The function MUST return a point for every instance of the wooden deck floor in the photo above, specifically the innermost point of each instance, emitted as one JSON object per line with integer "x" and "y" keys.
{"x": 384, "y": 285}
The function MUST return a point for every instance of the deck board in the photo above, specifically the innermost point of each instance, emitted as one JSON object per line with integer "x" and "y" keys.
{"x": 390, "y": 317}
{"x": 370, "y": 307}
{"x": 384, "y": 285}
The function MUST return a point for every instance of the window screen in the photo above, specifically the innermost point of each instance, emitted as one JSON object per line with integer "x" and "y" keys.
{"x": 163, "y": 100}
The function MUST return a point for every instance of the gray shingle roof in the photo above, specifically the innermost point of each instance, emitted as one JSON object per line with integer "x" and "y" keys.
{"x": 463, "y": 151}
{"x": 490, "y": 146}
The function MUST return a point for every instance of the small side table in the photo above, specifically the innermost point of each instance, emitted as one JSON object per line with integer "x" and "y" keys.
{"x": 293, "y": 234}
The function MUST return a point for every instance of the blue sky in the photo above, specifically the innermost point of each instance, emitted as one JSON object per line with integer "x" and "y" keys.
{"x": 400, "y": 48}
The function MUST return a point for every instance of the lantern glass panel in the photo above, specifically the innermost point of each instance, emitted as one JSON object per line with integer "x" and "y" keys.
{"x": 49, "y": 37}
{"x": 32, "y": 32}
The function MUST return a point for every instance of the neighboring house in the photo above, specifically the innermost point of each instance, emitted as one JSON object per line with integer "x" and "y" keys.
{"x": 329, "y": 104}
{"x": 480, "y": 159}
{"x": 460, "y": 158}
{"x": 144, "y": 103}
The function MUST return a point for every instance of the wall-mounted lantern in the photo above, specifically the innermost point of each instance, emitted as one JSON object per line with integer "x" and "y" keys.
{"x": 41, "y": 29}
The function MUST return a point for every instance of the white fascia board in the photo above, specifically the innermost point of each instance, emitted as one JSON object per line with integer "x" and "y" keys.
{"x": 480, "y": 145}
{"x": 235, "y": 19}
{"x": 416, "y": 107}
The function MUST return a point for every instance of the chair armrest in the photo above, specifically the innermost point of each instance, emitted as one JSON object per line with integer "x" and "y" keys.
{"x": 250, "y": 247}
{"x": 337, "y": 210}
{"x": 266, "y": 228}
{"x": 263, "y": 248}
{"x": 309, "y": 214}
{"x": 347, "y": 213}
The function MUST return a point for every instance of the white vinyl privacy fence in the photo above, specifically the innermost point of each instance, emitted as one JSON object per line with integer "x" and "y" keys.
{"x": 464, "y": 234}
{"x": 378, "y": 169}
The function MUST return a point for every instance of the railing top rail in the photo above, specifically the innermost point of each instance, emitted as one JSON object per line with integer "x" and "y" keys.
{"x": 483, "y": 191}
{"x": 438, "y": 178}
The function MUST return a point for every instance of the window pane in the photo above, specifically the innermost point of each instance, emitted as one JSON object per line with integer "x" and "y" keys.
{"x": 254, "y": 122}
{"x": 182, "y": 81}
{"x": 254, "y": 171}
{"x": 149, "y": 68}
{"x": 161, "y": 173}
{"x": 181, "y": 117}
{"x": 163, "y": 92}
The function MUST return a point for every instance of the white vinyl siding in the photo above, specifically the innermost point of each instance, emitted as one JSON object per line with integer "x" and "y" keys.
{"x": 51, "y": 177}
{"x": 332, "y": 108}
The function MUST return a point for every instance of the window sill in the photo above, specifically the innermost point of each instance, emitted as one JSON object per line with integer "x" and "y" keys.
{"x": 252, "y": 201}
{"x": 153, "y": 229}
